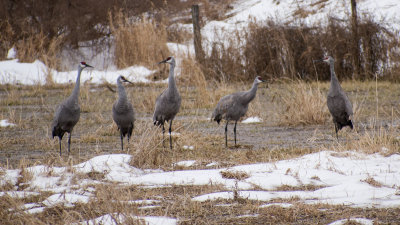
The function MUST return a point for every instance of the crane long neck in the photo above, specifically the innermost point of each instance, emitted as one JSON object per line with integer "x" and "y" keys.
{"x": 75, "y": 92}
{"x": 335, "y": 85}
{"x": 171, "y": 79}
{"x": 251, "y": 94}
{"x": 121, "y": 92}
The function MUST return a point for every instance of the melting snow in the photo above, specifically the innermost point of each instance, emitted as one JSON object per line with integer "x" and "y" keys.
{"x": 5, "y": 123}
{"x": 187, "y": 163}
{"x": 12, "y": 53}
{"x": 114, "y": 219}
{"x": 67, "y": 199}
{"x": 342, "y": 178}
{"x": 187, "y": 147}
{"x": 361, "y": 221}
{"x": 283, "y": 205}
{"x": 252, "y": 120}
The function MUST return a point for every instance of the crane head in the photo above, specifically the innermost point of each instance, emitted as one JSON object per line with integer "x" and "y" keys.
{"x": 169, "y": 60}
{"x": 84, "y": 65}
{"x": 259, "y": 79}
{"x": 328, "y": 59}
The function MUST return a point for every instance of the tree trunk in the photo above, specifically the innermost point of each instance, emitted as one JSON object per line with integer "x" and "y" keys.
{"x": 197, "y": 36}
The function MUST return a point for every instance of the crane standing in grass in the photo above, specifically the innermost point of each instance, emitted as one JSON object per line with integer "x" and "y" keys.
{"x": 168, "y": 102}
{"x": 68, "y": 112}
{"x": 123, "y": 113}
{"x": 338, "y": 103}
{"x": 234, "y": 106}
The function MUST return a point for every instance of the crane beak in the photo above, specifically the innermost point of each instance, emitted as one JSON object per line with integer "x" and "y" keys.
{"x": 87, "y": 65}
{"x": 317, "y": 60}
{"x": 125, "y": 80}
{"x": 164, "y": 61}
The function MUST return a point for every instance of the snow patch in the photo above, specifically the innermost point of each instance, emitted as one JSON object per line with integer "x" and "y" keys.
{"x": 187, "y": 163}
{"x": 188, "y": 147}
{"x": 283, "y": 205}
{"x": 12, "y": 53}
{"x": 5, "y": 123}
{"x": 67, "y": 199}
{"x": 362, "y": 221}
{"x": 114, "y": 219}
{"x": 252, "y": 120}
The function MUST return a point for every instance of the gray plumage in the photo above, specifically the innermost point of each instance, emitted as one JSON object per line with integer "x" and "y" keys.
{"x": 234, "y": 106}
{"x": 68, "y": 112}
{"x": 168, "y": 102}
{"x": 123, "y": 113}
{"x": 338, "y": 103}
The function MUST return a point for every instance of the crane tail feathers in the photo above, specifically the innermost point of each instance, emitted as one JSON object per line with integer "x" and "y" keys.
{"x": 158, "y": 123}
{"x": 350, "y": 124}
{"x": 217, "y": 118}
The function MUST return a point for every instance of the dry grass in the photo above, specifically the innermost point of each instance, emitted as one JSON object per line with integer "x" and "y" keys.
{"x": 176, "y": 202}
{"x": 237, "y": 175}
{"x": 32, "y": 108}
{"x": 38, "y": 46}
{"x": 139, "y": 42}
{"x": 301, "y": 104}
{"x": 377, "y": 140}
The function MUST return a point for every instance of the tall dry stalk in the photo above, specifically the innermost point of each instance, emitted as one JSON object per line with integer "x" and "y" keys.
{"x": 39, "y": 46}
{"x": 301, "y": 104}
{"x": 137, "y": 42}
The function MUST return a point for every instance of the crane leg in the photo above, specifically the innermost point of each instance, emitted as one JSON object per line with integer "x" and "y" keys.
{"x": 170, "y": 137}
{"x": 336, "y": 130}
{"x": 69, "y": 142}
{"x": 234, "y": 131}
{"x": 226, "y": 134}
{"x": 122, "y": 142}
{"x": 163, "y": 132}
{"x": 59, "y": 141}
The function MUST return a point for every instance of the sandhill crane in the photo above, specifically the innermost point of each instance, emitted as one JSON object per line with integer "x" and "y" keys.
{"x": 168, "y": 102}
{"x": 338, "y": 103}
{"x": 234, "y": 106}
{"x": 68, "y": 112}
{"x": 123, "y": 113}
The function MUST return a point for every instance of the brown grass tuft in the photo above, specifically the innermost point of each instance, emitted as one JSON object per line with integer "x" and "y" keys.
{"x": 39, "y": 46}
{"x": 237, "y": 175}
{"x": 148, "y": 151}
{"x": 140, "y": 42}
{"x": 301, "y": 104}
{"x": 375, "y": 140}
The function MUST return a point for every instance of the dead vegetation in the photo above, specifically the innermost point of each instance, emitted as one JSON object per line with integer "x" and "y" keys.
{"x": 272, "y": 51}
{"x": 96, "y": 134}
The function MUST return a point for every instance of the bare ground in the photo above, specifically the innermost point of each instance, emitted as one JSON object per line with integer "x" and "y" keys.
{"x": 29, "y": 143}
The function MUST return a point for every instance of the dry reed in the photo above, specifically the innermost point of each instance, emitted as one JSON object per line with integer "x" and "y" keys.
{"x": 138, "y": 42}
{"x": 300, "y": 104}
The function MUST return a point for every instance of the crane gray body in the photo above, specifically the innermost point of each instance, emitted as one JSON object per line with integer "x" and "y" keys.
{"x": 234, "y": 106}
{"x": 68, "y": 112}
{"x": 168, "y": 102}
{"x": 338, "y": 103}
{"x": 123, "y": 113}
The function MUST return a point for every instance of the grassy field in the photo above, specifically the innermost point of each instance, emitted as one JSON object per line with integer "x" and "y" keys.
{"x": 295, "y": 122}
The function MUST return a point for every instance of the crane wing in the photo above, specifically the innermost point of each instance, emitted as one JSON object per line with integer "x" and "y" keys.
{"x": 222, "y": 107}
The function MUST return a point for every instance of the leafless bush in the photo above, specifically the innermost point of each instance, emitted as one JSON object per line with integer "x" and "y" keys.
{"x": 276, "y": 50}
